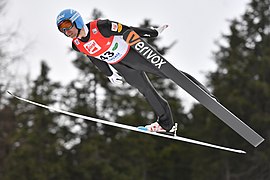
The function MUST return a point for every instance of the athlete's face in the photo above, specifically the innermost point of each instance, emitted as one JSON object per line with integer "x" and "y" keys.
{"x": 72, "y": 33}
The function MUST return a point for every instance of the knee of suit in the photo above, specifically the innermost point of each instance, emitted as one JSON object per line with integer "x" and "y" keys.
{"x": 153, "y": 97}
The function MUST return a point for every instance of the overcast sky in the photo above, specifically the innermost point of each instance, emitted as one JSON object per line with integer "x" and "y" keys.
{"x": 196, "y": 24}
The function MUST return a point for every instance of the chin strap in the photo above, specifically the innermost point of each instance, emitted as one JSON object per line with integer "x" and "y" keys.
{"x": 79, "y": 30}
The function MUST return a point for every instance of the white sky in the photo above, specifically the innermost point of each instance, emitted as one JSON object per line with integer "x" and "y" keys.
{"x": 195, "y": 24}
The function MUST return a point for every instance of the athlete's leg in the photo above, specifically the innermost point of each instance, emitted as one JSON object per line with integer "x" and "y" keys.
{"x": 139, "y": 80}
{"x": 136, "y": 61}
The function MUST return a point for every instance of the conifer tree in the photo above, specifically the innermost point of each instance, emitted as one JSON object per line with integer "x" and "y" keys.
{"x": 38, "y": 149}
{"x": 242, "y": 84}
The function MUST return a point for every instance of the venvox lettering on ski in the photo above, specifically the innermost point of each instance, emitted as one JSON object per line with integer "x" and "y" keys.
{"x": 133, "y": 39}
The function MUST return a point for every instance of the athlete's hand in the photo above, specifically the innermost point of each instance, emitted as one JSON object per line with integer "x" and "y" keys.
{"x": 115, "y": 78}
{"x": 161, "y": 29}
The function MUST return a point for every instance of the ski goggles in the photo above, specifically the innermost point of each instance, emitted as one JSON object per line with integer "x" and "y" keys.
{"x": 65, "y": 25}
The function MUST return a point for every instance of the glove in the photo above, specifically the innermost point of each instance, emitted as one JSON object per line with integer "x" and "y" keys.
{"x": 115, "y": 78}
{"x": 161, "y": 29}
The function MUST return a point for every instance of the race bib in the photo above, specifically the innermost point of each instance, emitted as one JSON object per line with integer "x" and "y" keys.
{"x": 116, "y": 52}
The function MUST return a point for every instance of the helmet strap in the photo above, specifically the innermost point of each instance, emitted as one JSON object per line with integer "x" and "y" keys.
{"x": 79, "y": 30}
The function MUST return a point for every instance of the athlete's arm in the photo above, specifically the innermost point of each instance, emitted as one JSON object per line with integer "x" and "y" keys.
{"x": 109, "y": 28}
{"x": 101, "y": 65}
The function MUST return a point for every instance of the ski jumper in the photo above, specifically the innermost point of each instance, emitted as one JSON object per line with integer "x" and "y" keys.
{"x": 100, "y": 47}
{"x": 104, "y": 45}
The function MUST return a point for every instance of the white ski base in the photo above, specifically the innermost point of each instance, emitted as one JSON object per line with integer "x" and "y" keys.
{"x": 132, "y": 128}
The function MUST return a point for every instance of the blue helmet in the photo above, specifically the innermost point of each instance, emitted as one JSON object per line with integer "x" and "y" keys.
{"x": 72, "y": 15}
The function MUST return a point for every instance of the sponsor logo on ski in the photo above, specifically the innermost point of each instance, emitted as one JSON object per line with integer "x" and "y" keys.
{"x": 133, "y": 39}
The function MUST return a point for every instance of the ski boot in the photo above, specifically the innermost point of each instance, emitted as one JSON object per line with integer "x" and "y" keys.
{"x": 155, "y": 127}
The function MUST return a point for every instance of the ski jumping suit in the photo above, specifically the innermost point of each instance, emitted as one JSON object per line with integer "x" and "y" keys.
{"x": 104, "y": 45}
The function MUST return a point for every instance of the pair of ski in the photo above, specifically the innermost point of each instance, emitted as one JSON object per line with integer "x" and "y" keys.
{"x": 127, "y": 127}
{"x": 151, "y": 55}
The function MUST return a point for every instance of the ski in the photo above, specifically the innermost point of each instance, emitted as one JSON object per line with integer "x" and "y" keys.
{"x": 128, "y": 127}
{"x": 151, "y": 55}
